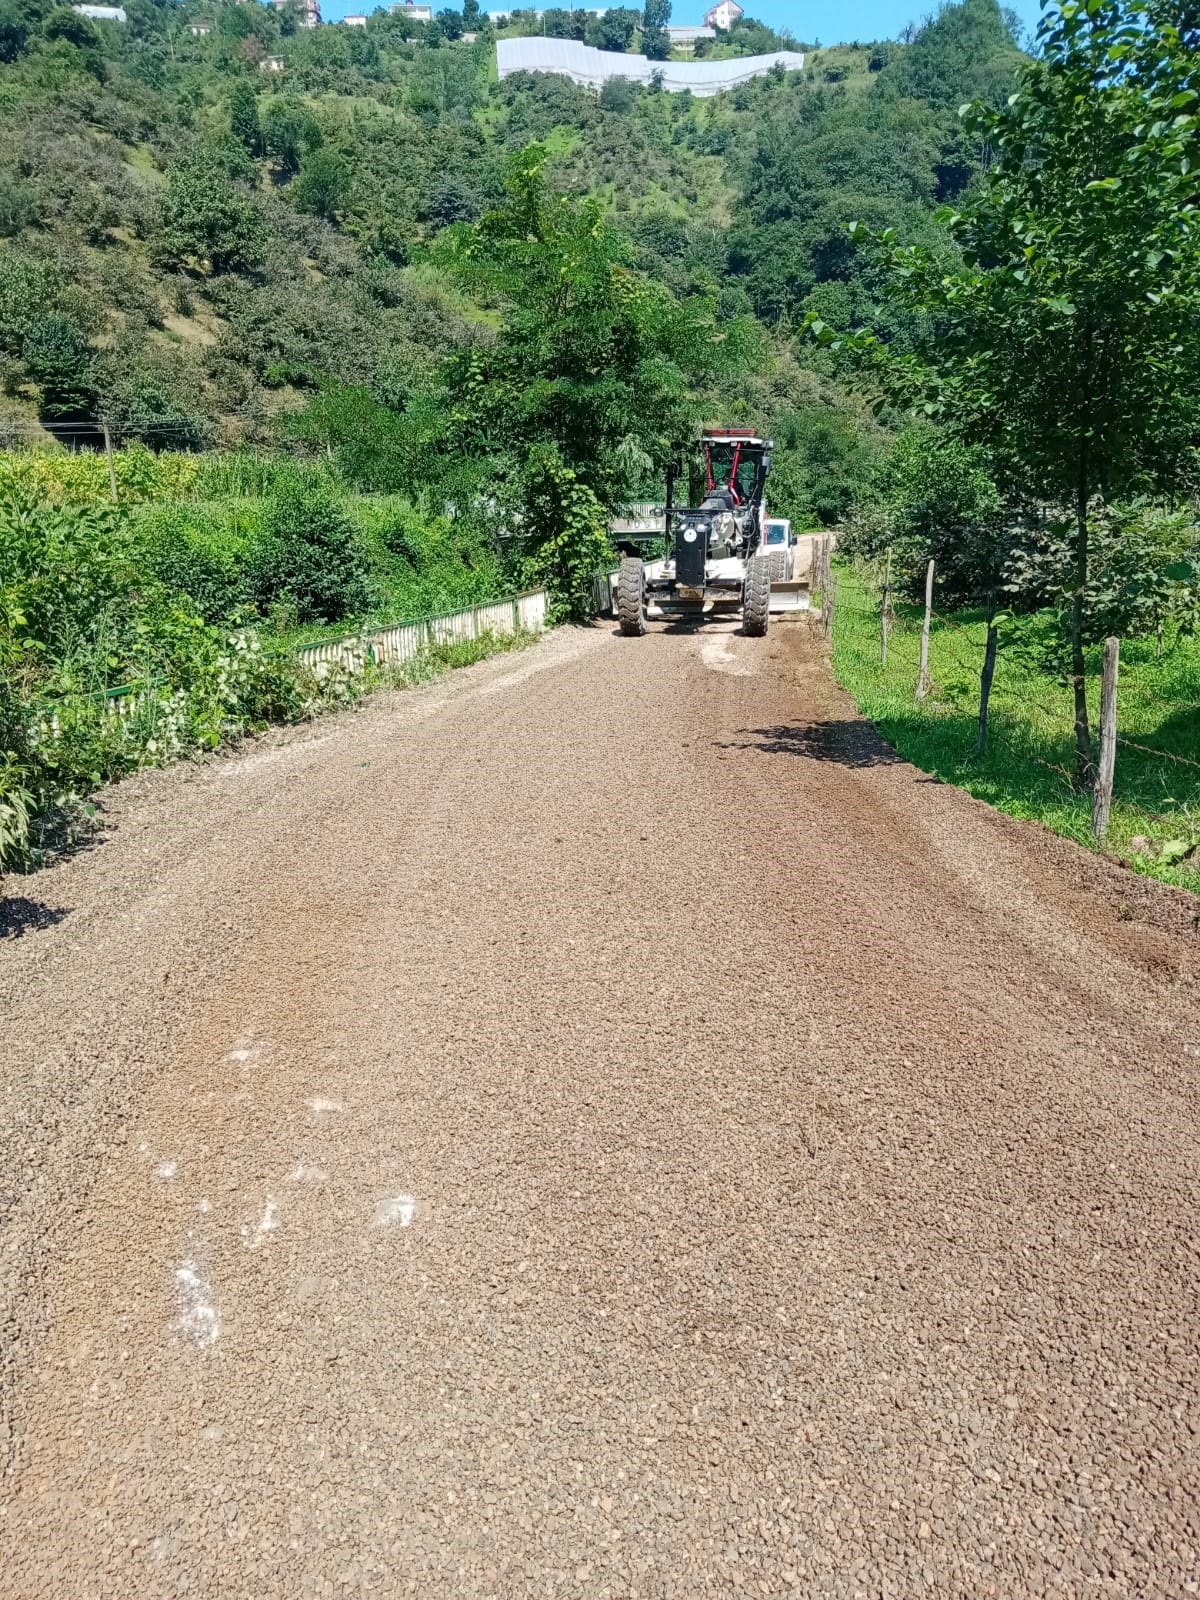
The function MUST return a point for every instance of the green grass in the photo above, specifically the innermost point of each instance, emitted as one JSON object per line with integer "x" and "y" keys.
{"x": 1030, "y": 749}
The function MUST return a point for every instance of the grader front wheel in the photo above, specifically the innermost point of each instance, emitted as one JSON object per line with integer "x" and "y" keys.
{"x": 756, "y": 596}
{"x": 631, "y": 598}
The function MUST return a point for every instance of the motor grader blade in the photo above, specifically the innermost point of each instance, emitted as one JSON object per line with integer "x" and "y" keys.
{"x": 793, "y": 595}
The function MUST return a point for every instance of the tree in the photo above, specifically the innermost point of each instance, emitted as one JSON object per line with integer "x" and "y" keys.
{"x": 323, "y": 183}
{"x": 60, "y": 362}
{"x": 614, "y": 30}
{"x": 243, "y": 119}
{"x": 656, "y": 41}
{"x": 66, "y": 23}
{"x": 14, "y": 35}
{"x": 591, "y": 354}
{"x": 450, "y": 199}
{"x": 288, "y": 132}
{"x": 1067, "y": 342}
{"x": 618, "y": 95}
{"x": 206, "y": 220}
{"x": 964, "y": 52}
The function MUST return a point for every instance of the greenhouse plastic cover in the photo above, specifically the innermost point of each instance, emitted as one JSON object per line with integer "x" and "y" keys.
{"x": 594, "y": 68}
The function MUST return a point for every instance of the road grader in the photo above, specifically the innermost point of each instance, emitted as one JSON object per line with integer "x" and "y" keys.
{"x": 717, "y": 561}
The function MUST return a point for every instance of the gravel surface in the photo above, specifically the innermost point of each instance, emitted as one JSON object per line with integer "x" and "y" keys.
{"x": 599, "y": 1125}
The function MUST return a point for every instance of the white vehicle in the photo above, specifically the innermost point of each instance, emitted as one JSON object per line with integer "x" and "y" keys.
{"x": 780, "y": 544}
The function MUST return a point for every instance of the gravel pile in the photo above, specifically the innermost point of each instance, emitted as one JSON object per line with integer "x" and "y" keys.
{"x": 597, "y": 1126}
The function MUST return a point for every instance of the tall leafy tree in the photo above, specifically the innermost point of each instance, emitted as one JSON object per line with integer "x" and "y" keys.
{"x": 595, "y": 372}
{"x": 1067, "y": 338}
{"x": 590, "y": 353}
{"x": 243, "y": 119}
{"x": 656, "y": 42}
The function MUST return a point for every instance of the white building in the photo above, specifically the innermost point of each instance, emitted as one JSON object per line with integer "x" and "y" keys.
{"x": 724, "y": 15}
{"x": 355, "y": 22}
{"x": 102, "y": 13}
{"x": 200, "y": 30}
{"x": 311, "y": 10}
{"x": 405, "y": 8}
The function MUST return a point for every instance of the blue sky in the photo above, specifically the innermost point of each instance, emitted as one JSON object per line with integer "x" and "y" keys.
{"x": 830, "y": 21}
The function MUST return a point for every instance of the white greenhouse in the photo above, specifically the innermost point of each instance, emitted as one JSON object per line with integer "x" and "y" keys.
{"x": 594, "y": 68}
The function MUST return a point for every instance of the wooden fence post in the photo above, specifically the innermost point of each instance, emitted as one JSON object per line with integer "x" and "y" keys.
{"x": 985, "y": 685}
{"x": 923, "y": 673}
{"x": 883, "y": 610}
{"x": 828, "y": 606}
{"x": 1103, "y": 792}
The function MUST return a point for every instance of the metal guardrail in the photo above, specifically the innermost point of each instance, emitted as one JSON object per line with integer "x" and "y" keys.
{"x": 384, "y": 646}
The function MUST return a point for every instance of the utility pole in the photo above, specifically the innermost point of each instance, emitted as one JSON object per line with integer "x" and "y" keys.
{"x": 108, "y": 451}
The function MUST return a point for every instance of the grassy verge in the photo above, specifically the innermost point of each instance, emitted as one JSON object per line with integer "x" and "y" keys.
{"x": 1024, "y": 771}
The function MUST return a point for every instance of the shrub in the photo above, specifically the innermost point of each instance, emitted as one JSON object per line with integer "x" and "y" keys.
{"x": 28, "y": 288}
{"x": 568, "y": 532}
{"x": 17, "y": 207}
{"x": 309, "y": 555}
{"x": 200, "y": 554}
{"x": 323, "y": 184}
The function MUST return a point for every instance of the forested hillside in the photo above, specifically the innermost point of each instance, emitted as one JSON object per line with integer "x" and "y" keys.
{"x": 197, "y": 246}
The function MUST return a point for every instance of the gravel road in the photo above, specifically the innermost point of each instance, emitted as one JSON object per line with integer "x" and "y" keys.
{"x": 598, "y": 1125}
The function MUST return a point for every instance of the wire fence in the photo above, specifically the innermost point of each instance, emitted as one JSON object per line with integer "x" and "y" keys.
{"x": 1027, "y": 718}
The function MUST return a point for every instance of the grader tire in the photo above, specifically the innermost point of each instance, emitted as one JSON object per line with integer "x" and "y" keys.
{"x": 631, "y": 608}
{"x": 779, "y": 566}
{"x": 756, "y": 596}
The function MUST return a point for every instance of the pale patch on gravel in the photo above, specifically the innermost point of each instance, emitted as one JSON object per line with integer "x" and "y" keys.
{"x": 400, "y": 1209}
{"x": 321, "y": 1107}
{"x": 303, "y": 1172}
{"x": 716, "y": 652}
{"x": 268, "y": 1223}
{"x": 198, "y": 1319}
{"x": 166, "y": 1170}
